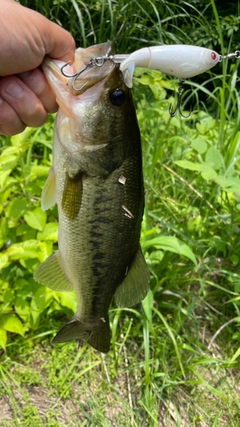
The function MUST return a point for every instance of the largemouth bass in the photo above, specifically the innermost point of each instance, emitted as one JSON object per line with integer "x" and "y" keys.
{"x": 96, "y": 180}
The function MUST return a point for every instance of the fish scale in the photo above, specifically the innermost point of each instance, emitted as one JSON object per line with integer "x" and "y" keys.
{"x": 96, "y": 181}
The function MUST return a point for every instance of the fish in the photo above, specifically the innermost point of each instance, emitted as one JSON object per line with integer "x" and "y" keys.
{"x": 96, "y": 180}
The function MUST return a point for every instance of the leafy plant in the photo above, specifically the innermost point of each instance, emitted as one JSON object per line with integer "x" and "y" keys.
{"x": 139, "y": 23}
{"x": 27, "y": 235}
{"x": 174, "y": 358}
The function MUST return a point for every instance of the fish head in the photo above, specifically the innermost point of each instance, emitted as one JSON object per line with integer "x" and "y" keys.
{"x": 93, "y": 113}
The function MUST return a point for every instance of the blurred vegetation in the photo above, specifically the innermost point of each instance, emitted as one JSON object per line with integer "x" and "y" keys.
{"x": 133, "y": 24}
{"x": 180, "y": 348}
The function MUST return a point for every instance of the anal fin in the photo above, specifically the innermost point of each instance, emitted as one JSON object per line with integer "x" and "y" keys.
{"x": 135, "y": 286}
{"x": 51, "y": 274}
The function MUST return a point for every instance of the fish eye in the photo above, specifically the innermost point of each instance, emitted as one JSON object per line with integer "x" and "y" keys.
{"x": 117, "y": 97}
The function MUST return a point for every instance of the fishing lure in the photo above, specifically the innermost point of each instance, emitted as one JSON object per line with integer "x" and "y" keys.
{"x": 182, "y": 61}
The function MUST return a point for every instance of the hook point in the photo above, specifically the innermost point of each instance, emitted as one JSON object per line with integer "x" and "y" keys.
{"x": 178, "y": 107}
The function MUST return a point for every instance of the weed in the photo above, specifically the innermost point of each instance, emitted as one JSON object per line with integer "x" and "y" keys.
{"x": 174, "y": 359}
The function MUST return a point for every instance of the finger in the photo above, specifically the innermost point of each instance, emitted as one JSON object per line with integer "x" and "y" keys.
{"x": 38, "y": 84}
{"x": 27, "y": 36}
{"x": 10, "y": 123}
{"x": 25, "y": 103}
{"x": 59, "y": 44}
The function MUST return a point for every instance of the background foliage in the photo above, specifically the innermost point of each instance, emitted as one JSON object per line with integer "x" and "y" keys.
{"x": 180, "y": 348}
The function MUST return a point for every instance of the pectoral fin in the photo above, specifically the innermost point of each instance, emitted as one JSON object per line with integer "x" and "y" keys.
{"x": 49, "y": 191}
{"x": 96, "y": 334}
{"x": 51, "y": 274}
{"x": 135, "y": 286}
{"x": 72, "y": 196}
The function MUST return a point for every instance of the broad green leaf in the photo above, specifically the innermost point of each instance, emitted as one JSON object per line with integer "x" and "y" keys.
{"x": 17, "y": 251}
{"x": 24, "y": 288}
{"x": 8, "y": 154}
{"x": 3, "y": 261}
{"x": 186, "y": 164}
{"x": 207, "y": 172}
{"x": 39, "y": 170}
{"x": 8, "y": 161}
{"x": 213, "y": 158}
{"x": 36, "y": 219}
{"x": 155, "y": 257}
{"x": 8, "y": 296}
{"x": 26, "y": 231}
{"x": 11, "y": 323}
{"x": 21, "y": 140}
{"x": 200, "y": 145}
{"x": 172, "y": 244}
{"x": 146, "y": 79}
{"x": 50, "y": 232}
{"x": 223, "y": 181}
{"x": 4, "y": 175}
{"x": 45, "y": 250}
{"x": 67, "y": 299}
{"x": 3, "y": 338}
{"x": 6, "y": 191}
{"x": 30, "y": 249}
{"x": 16, "y": 208}
{"x": 205, "y": 125}
{"x": 22, "y": 308}
{"x": 3, "y": 231}
{"x": 229, "y": 184}
{"x": 40, "y": 301}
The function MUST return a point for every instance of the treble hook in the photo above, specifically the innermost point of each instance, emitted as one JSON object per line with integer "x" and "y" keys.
{"x": 97, "y": 62}
{"x": 181, "y": 89}
{"x": 76, "y": 75}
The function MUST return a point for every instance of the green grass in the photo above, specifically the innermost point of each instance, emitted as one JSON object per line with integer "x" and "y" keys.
{"x": 174, "y": 359}
{"x": 137, "y": 23}
{"x": 68, "y": 386}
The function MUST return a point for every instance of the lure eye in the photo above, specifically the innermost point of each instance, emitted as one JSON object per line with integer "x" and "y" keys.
{"x": 117, "y": 97}
{"x": 214, "y": 56}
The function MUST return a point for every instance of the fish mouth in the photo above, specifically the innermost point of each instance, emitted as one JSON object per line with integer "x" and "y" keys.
{"x": 90, "y": 72}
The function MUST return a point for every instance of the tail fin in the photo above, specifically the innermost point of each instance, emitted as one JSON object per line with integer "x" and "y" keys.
{"x": 96, "y": 334}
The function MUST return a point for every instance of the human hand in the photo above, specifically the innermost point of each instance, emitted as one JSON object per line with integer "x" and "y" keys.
{"x": 26, "y": 37}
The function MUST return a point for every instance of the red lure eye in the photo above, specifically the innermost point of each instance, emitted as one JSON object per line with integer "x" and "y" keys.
{"x": 214, "y": 56}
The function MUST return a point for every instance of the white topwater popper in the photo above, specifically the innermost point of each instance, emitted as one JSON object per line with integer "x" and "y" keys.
{"x": 182, "y": 61}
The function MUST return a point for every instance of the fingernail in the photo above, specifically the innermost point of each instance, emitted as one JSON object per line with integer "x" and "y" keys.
{"x": 14, "y": 90}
